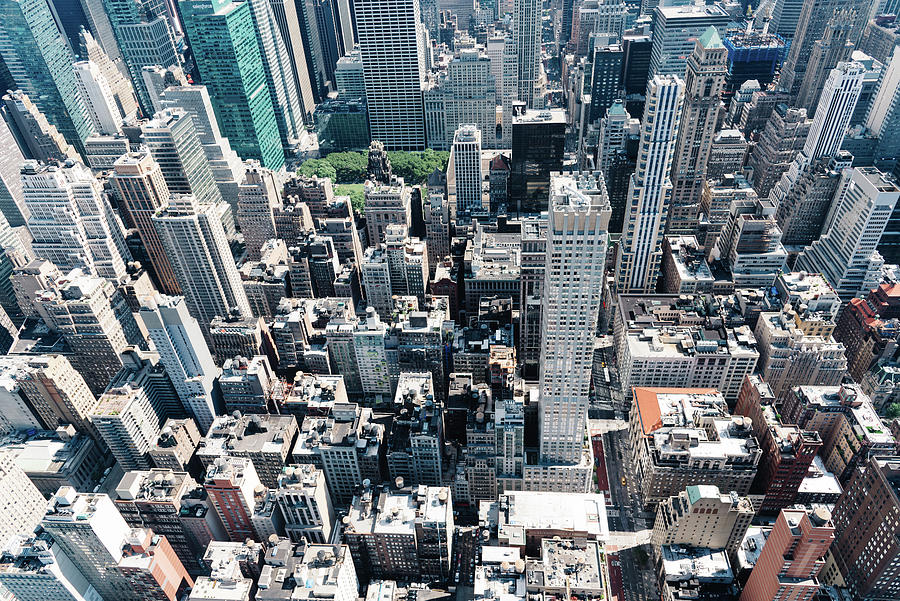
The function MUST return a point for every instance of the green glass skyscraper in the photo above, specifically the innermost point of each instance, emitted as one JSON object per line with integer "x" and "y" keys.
{"x": 225, "y": 48}
{"x": 40, "y": 62}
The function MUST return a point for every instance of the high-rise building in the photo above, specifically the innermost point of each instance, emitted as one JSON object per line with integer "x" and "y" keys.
{"x": 279, "y": 75}
{"x": 12, "y": 200}
{"x": 606, "y": 79}
{"x": 179, "y": 340}
{"x": 36, "y": 568}
{"x": 237, "y": 85}
{"x": 140, "y": 190}
{"x": 576, "y": 251}
{"x": 287, "y": 18}
{"x": 793, "y": 556}
{"x": 392, "y": 44}
{"x": 39, "y": 60}
{"x": 118, "y": 82}
{"x": 703, "y": 86}
{"x": 846, "y": 253}
{"x": 23, "y": 504}
{"x": 57, "y": 393}
{"x": 533, "y": 262}
{"x": 779, "y": 143}
{"x": 650, "y": 191}
{"x": 303, "y": 498}
{"x": 89, "y": 529}
{"x": 675, "y": 29}
{"x": 812, "y": 21}
{"x": 464, "y": 175}
{"x": 97, "y": 97}
{"x": 834, "y": 46}
{"x": 258, "y": 197}
{"x": 145, "y": 38}
{"x": 39, "y": 138}
{"x": 538, "y": 146}
{"x": 884, "y": 115}
{"x": 701, "y": 516}
{"x": 71, "y": 220}
{"x": 231, "y": 484}
{"x": 195, "y": 241}
{"x": 129, "y": 424}
{"x": 865, "y": 517}
{"x": 386, "y": 204}
{"x": 96, "y": 322}
{"x": 527, "y": 33}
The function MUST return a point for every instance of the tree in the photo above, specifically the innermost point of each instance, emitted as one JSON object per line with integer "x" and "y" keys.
{"x": 350, "y": 167}
{"x": 318, "y": 168}
{"x": 892, "y": 411}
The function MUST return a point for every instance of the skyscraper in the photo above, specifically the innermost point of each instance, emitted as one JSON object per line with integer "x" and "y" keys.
{"x": 650, "y": 190}
{"x": 98, "y": 97}
{"x": 289, "y": 25}
{"x": 39, "y": 60}
{"x": 258, "y": 196}
{"x": 811, "y": 24}
{"x": 119, "y": 84}
{"x": 846, "y": 253}
{"x": 40, "y": 138}
{"x": 145, "y": 38}
{"x": 279, "y": 75}
{"x": 464, "y": 174}
{"x": 71, "y": 220}
{"x": 141, "y": 190}
{"x": 391, "y": 42}
{"x": 527, "y": 33}
{"x": 835, "y": 46}
{"x": 12, "y": 200}
{"x": 58, "y": 394}
{"x": 883, "y": 119}
{"x": 576, "y": 251}
{"x": 178, "y": 339}
{"x": 237, "y": 84}
{"x": 194, "y": 239}
{"x": 674, "y": 30}
{"x": 703, "y": 85}
{"x": 23, "y": 503}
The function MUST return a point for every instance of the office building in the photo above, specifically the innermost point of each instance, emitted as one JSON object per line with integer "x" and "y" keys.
{"x": 865, "y": 547}
{"x": 95, "y": 321}
{"x": 246, "y": 112}
{"x": 57, "y": 393}
{"x": 231, "y": 483}
{"x": 792, "y": 557}
{"x": 303, "y": 497}
{"x": 34, "y": 567}
{"x": 151, "y": 567}
{"x": 678, "y": 342}
{"x": 606, "y": 79}
{"x": 401, "y": 533}
{"x": 39, "y": 59}
{"x": 416, "y": 437}
{"x": 650, "y": 190}
{"x": 97, "y": 97}
{"x": 675, "y": 30}
{"x": 12, "y": 201}
{"x": 392, "y": 47}
{"x": 176, "y": 444}
{"x": 23, "y": 503}
{"x": 40, "y": 139}
{"x": 701, "y": 516}
{"x": 386, "y": 204}
{"x": 249, "y": 386}
{"x": 684, "y": 266}
{"x": 779, "y": 143}
{"x": 465, "y": 179}
{"x": 258, "y": 197}
{"x": 334, "y": 443}
{"x": 753, "y": 55}
{"x": 703, "y": 86}
{"x": 194, "y": 239}
{"x": 788, "y": 451}
{"x": 140, "y": 190}
{"x": 90, "y": 531}
{"x": 750, "y": 243}
{"x": 811, "y": 25}
{"x": 107, "y": 57}
{"x": 54, "y": 458}
{"x": 884, "y": 115}
{"x": 577, "y": 234}
{"x": 538, "y": 145}
{"x": 846, "y": 253}
{"x": 180, "y": 342}
{"x": 145, "y": 38}
{"x": 71, "y": 221}
{"x": 287, "y": 17}
{"x": 673, "y": 430}
{"x": 527, "y": 33}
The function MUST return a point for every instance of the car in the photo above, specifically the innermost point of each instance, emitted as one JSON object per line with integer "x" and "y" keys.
{"x": 623, "y": 480}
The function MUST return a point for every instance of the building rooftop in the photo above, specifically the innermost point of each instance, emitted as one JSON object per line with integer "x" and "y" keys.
{"x": 246, "y": 434}
{"x": 819, "y": 481}
{"x": 157, "y": 485}
{"x": 377, "y": 511}
{"x": 855, "y": 404}
{"x": 548, "y": 511}
{"x": 45, "y": 451}
{"x": 705, "y": 565}
{"x": 576, "y": 566}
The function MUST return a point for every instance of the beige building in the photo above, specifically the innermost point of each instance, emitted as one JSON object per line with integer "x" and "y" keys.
{"x": 701, "y": 516}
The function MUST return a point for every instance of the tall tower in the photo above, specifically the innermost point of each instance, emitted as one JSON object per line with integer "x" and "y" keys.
{"x": 258, "y": 197}
{"x": 58, "y": 393}
{"x": 814, "y": 17}
{"x": 846, "y": 253}
{"x": 39, "y": 60}
{"x": 23, "y": 503}
{"x": 228, "y": 57}
{"x": 527, "y": 33}
{"x": 289, "y": 25}
{"x": 97, "y": 97}
{"x": 182, "y": 350}
{"x": 145, "y": 38}
{"x": 41, "y": 139}
{"x": 279, "y": 76}
{"x": 834, "y": 47}
{"x": 194, "y": 239}
{"x": 573, "y": 280}
{"x": 12, "y": 201}
{"x": 650, "y": 190}
{"x": 703, "y": 84}
{"x": 141, "y": 190}
{"x": 391, "y": 42}
{"x": 883, "y": 119}
{"x": 119, "y": 85}
{"x": 464, "y": 174}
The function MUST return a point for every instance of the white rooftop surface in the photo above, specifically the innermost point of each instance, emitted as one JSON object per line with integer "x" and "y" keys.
{"x": 819, "y": 480}
{"x": 221, "y": 590}
{"x": 751, "y": 546}
{"x": 560, "y": 511}
{"x": 726, "y": 446}
{"x": 381, "y": 590}
{"x": 500, "y": 554}
{"x": 703, "y": 564}
{"x": 496, "y": 584}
